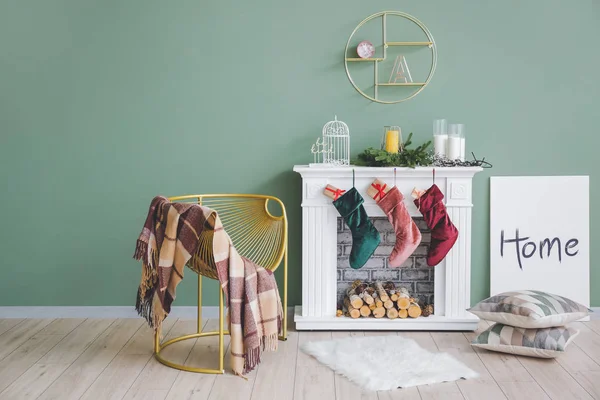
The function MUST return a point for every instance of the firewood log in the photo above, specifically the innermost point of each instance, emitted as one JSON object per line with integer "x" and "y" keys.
{"x": 414, "y": 311}
{"x": 353, "y": 312}
{"x": 361, "y": 287}
{"x": 360, "y": 291}
{"x": 402, "y": 313}
{"x": 372, "y": 306}
{"x": 378, "y": 303}
{"x": 339, "y": 313}
{"x": 392, "y": 313}
{"x": 394, "y": 296}
{"x": 403, "y": 303}
{"x": 403, "y": 299}
{"x": 381, "y": 291}
{"x": 367, "y": 298}
{"x": 355, "y": 301}
{"x": 389, "y": 287}
{"x": 379, "y": 312}
{"x": 365, "y": 311}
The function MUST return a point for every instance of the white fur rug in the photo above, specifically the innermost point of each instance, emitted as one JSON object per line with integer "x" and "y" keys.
{"x": 386, "y": 362}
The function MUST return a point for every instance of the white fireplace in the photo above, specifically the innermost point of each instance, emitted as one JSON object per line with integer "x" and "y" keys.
{"x": 319, "y": 246}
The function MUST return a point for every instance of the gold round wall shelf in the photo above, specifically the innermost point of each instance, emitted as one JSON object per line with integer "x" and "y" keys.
{"x": 400, "y": 63}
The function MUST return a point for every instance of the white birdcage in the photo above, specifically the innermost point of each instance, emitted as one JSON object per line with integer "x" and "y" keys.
{"x": 336, "y": 139}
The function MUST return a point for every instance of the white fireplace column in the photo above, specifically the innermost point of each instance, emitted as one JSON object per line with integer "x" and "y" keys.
{"x": 457, "y": 263}
{"x": 319, "y": 246}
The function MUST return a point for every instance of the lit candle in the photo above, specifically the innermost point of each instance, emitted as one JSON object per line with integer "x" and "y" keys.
{"x": 392, "y": 141}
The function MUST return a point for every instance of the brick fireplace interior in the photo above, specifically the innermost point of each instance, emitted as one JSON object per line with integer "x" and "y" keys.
{"x": 414, "y": 274}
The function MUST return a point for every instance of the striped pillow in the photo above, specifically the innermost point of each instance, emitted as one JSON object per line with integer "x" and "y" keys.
{"x": 529, "y": 309}
{"x": 543, "y": 343}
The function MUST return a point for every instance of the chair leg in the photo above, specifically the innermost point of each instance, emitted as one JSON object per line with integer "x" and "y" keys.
{"x": 285, "y": 288}
{"x": 221, "y": 331}
{"x": 157, "y": 340}
{"x": 199, "y": 303}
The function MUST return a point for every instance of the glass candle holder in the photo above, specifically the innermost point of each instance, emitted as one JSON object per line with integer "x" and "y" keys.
{"x": 454, "y": 142}
{"x": 440, "y": 137}
{"x": 462, "y": 135}
{"x": 392, "y": 139}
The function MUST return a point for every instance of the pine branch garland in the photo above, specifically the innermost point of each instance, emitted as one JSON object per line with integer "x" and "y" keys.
{"x": 420, "y": 156}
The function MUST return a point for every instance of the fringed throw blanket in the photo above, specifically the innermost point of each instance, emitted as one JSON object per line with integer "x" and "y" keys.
{"x": 169, "y": 239}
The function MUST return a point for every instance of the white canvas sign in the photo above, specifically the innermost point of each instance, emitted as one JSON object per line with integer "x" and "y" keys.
{"x": 539, "y": 235}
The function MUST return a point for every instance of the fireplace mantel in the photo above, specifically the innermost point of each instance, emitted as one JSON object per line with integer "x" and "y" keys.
{"x": 319, "y": 246}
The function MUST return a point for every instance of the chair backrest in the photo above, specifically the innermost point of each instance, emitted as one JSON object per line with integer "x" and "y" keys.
{"x": 256, "y": 233}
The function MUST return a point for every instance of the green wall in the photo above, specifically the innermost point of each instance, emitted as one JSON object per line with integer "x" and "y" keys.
{"x": 104, "y": 104}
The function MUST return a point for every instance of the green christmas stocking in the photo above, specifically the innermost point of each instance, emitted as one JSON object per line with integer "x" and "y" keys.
{"x": 365, "y": 237}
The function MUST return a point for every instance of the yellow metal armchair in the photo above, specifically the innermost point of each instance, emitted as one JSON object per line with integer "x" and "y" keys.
{"x": 257, "y": 234}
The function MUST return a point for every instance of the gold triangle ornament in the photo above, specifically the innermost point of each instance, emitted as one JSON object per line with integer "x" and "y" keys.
{"x": 400, "y": 71}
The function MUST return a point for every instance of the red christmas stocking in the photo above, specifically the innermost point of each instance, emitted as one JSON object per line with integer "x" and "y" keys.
{"x": 443, "y": 231}
{"x": 408, "y": 235}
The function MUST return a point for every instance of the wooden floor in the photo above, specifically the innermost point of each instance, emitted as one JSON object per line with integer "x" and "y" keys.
{"x": 112, "y": 359}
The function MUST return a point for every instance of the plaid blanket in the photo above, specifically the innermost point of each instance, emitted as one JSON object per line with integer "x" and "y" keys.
{"x": 169, "y": 239}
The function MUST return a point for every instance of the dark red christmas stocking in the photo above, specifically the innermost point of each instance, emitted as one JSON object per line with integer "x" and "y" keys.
{"x": 443, "y": 231}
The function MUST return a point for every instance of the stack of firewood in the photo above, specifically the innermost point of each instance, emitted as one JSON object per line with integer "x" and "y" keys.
{"x": 377, "y": 299}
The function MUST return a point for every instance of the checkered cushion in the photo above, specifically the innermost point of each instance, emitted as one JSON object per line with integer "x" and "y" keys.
{"x": 543, "y": 343}
{"x": 529, "y": 309}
